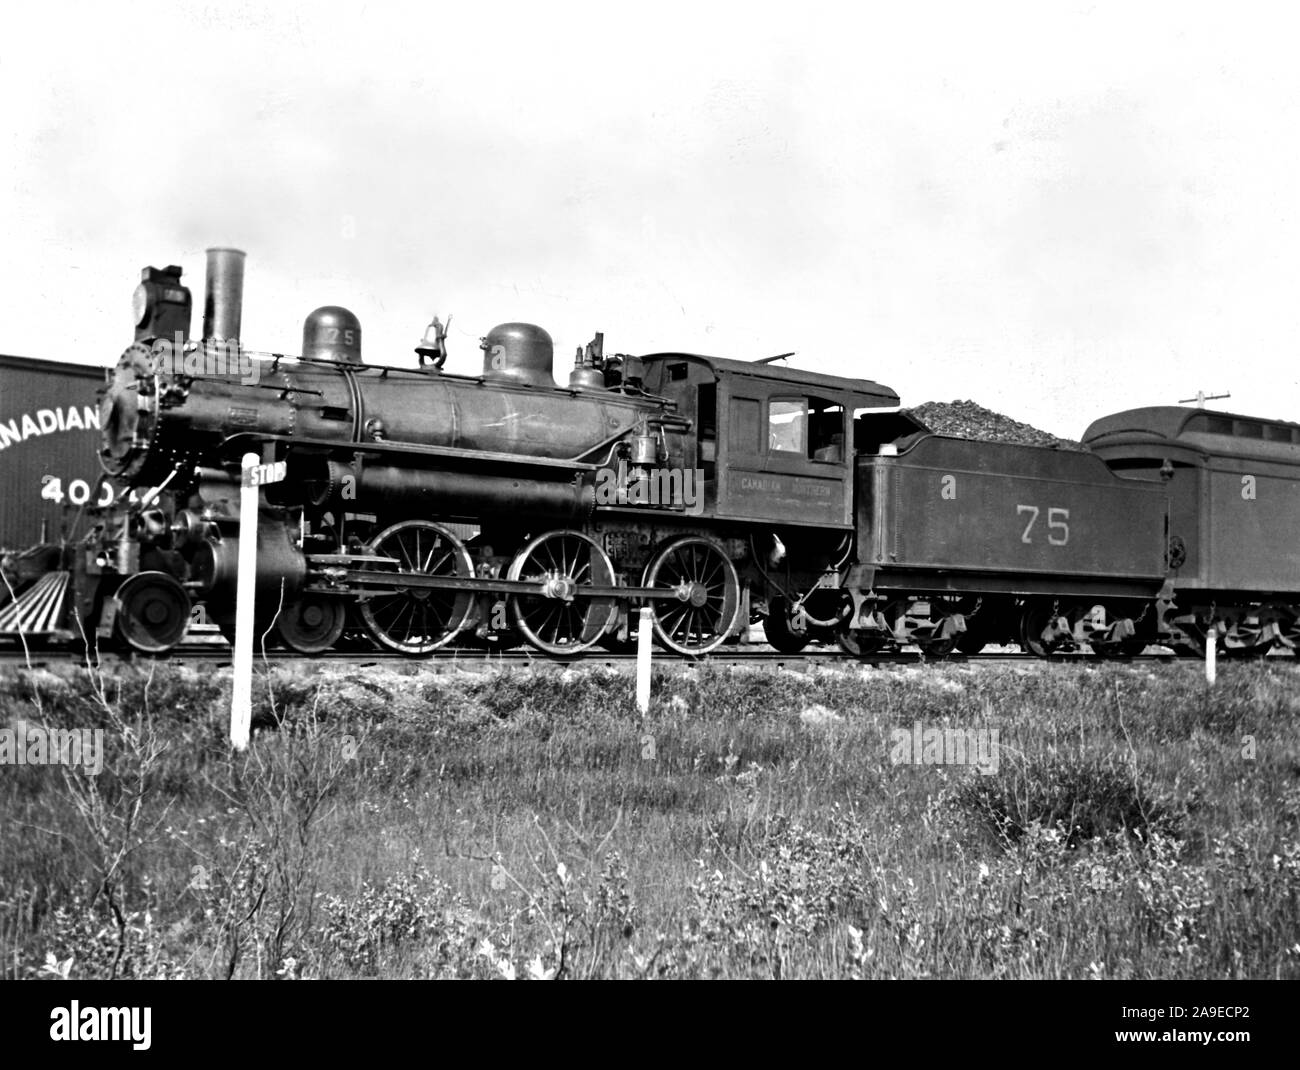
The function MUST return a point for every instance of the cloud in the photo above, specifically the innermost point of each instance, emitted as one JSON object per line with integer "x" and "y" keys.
{"x": 1046, "y": 211}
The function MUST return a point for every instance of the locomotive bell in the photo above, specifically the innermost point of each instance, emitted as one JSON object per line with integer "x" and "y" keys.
{"x": 589, "y": 365}
{"x": 585, "y": 377}
{"x": 332, "y": 333}
{"x": 519, "y": 353}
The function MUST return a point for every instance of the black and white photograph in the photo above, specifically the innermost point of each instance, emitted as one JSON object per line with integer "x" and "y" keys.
{"x": 677, "y": 491}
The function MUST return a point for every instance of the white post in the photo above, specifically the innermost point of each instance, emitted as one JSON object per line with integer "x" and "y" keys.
{"x": 1211, "y": 653}
{"x": 643, "y": 633}
{"x": 241, "y": 697}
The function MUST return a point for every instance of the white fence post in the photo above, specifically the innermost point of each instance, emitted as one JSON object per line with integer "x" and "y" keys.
{"x": 241, "y": 696}
{"x": 1211, "y": 653}
{"x": 643, "y": 634}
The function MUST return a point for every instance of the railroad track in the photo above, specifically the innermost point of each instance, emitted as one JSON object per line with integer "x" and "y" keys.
{"x": 468, "y": 660}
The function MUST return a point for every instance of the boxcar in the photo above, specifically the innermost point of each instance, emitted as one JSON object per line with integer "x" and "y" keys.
{"x": 49, "y": 448}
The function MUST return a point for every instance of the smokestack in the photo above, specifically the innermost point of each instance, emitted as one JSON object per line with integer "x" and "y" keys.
{"x": 223, "y": 301}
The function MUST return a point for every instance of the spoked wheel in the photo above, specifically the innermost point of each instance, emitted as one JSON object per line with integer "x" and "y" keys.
{"x": 410, "y": 620}
{"x": 312, "y": 624}
{"x": 708, "y": 595}
{"x": 153, "y": 612}
{"x": 780, "y": 631}
{"x": 559, "y": 619}
{"x": 1034, "y": 620}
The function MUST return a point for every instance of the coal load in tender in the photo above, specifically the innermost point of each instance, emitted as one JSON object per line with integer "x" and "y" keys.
{"x": 965, "y": 419}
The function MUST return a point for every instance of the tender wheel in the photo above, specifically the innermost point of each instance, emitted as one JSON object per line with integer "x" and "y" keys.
{"x": 1247, "y": 639}
{"x": 561, "y": 620}
{"x": 937, "y": 648}
{"x": 987, "y": 624}
{"x": 153, "y": 612}
{"x": 1033, "y": 622}
{"x": 860, "y": 643}
{"x": 413, "y": 621}
{"x": 313, "y": 624}
{"x": 780, "y": 631}
{"x": 1291, "y": 637}
{"x": 708, "y": 590}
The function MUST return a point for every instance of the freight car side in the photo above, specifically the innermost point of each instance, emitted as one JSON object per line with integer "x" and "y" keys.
{"x": 1234, "y": 486}
{"x": 49, "y": 448}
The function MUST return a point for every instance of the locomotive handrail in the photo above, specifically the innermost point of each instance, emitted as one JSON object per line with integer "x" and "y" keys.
{"x": 278, "y": 387}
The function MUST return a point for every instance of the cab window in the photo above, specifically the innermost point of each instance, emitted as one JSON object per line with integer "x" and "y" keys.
{"x": 787, "y": 425}
{"x": 812, "y": 428}
{"x": 825, "y": 431}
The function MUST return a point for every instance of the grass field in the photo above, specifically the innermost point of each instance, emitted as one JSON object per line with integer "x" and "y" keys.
{"x": 531, "y": 824}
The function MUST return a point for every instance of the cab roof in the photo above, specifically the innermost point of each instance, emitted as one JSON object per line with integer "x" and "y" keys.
{"x": 796, "y": 377}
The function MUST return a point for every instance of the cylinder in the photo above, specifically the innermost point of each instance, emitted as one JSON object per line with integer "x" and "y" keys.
{"x": 280, "y": 570}
{"x": 223, "y": 301}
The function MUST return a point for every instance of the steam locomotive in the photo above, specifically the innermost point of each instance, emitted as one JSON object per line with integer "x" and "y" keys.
{"x": 419, "y": 508}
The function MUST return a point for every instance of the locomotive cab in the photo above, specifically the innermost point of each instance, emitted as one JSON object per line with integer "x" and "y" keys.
{"x": 773, "y": 443}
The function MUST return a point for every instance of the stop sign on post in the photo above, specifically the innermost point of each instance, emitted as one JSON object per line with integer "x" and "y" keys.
{"x": 254, "y": 475}
{"x": 260, "y": 475}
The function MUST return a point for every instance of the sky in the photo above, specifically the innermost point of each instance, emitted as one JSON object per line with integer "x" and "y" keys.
{"x": 1056, "y": 210}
